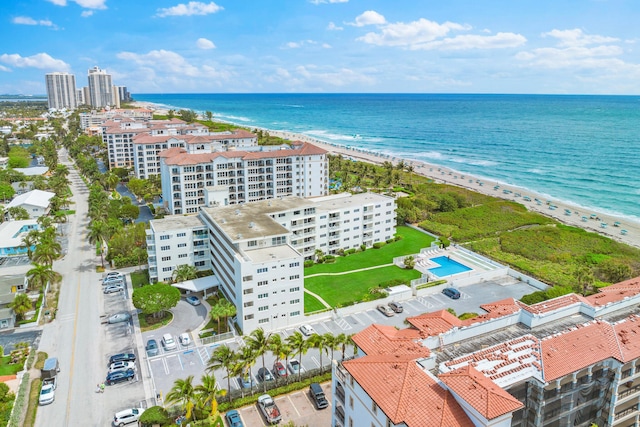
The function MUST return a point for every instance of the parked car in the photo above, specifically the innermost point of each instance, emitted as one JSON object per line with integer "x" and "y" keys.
{"x": 294, "y": 366}
{"x": 193, "y": 300}
{"x": 120, "y": 376}
{"x": 125, "y": 357}
{"x": 114, "y": 274}
{"x": 112, "y": 279}
{"x": 279, "y": 370}
{"x": 245, "y": 381}
{"x": 317, "y": 394}
{"x": 127, "y": 416}
{"x": 233, "y": 419}
{"x": 396, "y": 306}
{"x": 168, "y": 342}
{"x": 264, "y": 374}
{"x": 122, "y": 366}
{"x": 119, "y": 317}
{"x": 451, "y": 293}
{"x": 307, "y": 330}
{"x": 109, "y": 289}
{"x": 47, "y": 394}
{"x": 152, "y": 347}
{"x": 385, "y": 310}
{"x": 184, "y": 339}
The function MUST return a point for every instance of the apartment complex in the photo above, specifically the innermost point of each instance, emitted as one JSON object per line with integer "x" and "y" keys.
{"x": 257, "y": 250}
{"x": 194, "y": 180}
{"x": 61, "y": 90}
{"x": 98, "y": 117}
{"x": 570, "y": 361}
{"x": 176, "y": 240}
{"x": 101, "y": 91}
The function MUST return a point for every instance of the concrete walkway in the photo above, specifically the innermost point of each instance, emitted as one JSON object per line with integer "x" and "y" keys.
{"x": 318, "y": 297}
{"x": 348, "y": 272}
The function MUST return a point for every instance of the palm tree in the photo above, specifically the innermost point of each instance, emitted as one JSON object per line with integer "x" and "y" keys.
{"x": 223, "y": 357}
{"x": 300, "y": 346}
{"x": 18, "y": 213}
{"x": 45, "y": 222}
{"x": 111, "y": 180}
{"x": 259, "y": 341}
{"x": 320, "y": 342}
{"x": 47, "y": 251}
{"x": 216, "y": 314}
{"x": 97, "y": 234}
{"x": 209, "y": 115}
{"x": 208, "y": 391}
{"x": 30, "y": 240}
{"x": 247, "y": 357}
{"x": 184, "y": 272}
{"x": 227, "y": 309}
{"x": 183, "y": 393}
{"x": 343, "y": 341}
{"x": 40, "y": 275}
{"x": 331, "y": 342}
{"x": 21, "y": 305}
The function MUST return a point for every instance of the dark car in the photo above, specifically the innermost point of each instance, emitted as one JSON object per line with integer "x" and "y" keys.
{"x": 317, "y": 394}
{"x": 152, "y": 348}
{"x": 264, "y": 374}
{"x": 233, "y": 419}
{"x": 120, "y": 376}
{"x": 279, "y": 370}
{"x": 396, "y": 306}
{"x": 122, "y": 357}
{"x": 451, "y": 293}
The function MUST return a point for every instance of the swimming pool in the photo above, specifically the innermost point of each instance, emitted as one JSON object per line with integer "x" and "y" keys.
{"x": 447, "y": 267}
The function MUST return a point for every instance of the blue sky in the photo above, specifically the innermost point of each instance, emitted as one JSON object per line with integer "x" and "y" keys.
{"x": 445, "y": 46}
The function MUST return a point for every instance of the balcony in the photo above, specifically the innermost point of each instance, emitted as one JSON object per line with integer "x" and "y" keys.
{"x": 340, "y": 414}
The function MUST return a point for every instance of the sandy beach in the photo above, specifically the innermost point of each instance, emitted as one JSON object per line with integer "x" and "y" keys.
{"x": 623, "y": 230}
{"x": 620, "y": 229}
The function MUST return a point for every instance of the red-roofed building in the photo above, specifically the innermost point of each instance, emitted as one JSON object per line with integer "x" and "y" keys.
{"x": 195, "y": 179}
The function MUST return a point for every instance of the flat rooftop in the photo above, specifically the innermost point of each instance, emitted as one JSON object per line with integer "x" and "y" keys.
{"x": 272, "y": 253}
{"x": 249, "y": 221}
{"x": 347, "y": 200}
{"x": 174, "y": 222}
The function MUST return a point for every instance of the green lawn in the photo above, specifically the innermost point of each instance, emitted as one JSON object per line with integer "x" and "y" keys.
{"x": 412, "y": 241}
{"x": 139, "y": 278}
{"x": 346, "y": 288}
{"x": 9, "y": 369}
{"x": 312, "y": 304}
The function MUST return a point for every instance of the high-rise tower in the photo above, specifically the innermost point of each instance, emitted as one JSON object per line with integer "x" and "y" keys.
{"x": 100, "y": 88}
{"x": 61, "y": 90}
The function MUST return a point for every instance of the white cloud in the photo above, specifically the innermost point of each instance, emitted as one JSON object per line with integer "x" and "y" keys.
{"x": 412, "y": 33}
{"x": 40, "y": 60}
{"x": 27, "y": 20}
{"x": 88, "y": 4}
{"x": 326, "y": 46}
{"x": 334, "y": 27}
{"x": 170, "y": 64}
{"x": 299, "y": 44}
{"x": 191, "y": 8}
{"x": 86, "y": 13}
{"x": 575, "y": 37}
{"x": 341, "y": 77}
{"x": 328, "y": 1}
{"x": 3, "y": 68}
{"x": 370, "y": 17}
{"x": 472, "y": 41}
{"x": 293, "y": 45}
{"x": 205, "y": 44}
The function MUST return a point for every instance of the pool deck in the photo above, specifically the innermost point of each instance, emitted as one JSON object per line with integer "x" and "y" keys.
{"x": 424, "y": 261}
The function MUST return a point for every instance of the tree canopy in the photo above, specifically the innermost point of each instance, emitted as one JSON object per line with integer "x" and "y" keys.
{"x": 155, "y": 299}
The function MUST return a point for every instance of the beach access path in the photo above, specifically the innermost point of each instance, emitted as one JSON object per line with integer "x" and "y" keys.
{"x": 620, "y": 229}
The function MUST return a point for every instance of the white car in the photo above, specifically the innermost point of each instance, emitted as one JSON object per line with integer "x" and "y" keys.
{"x": 47, "y": 394}
{"x": 184, "y": 339}
{"x": 121, "y": 366}
{"x": 127, "y": 416}
{"x": 168, "y": 342}
{"x": 307, "y": 330}
{"x": 113, "y": 274}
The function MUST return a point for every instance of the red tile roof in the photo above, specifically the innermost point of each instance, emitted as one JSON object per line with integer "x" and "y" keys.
{"x": 484, "y": 395}
{"x": 406, "y": 393}
{"x": 617, "y": 292}
{"x": 382, "y": 339}
{"x": 554, "y": 304}
{"x": 145, "y": 138}
{"x": 436, "y": 323}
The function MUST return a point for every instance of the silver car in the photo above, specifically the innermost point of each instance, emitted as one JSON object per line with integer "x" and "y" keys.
{"x": 120, "y": 317}
{"x": 109, "y": 289}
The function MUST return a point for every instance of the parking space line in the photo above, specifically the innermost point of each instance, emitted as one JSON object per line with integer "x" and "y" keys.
{"x": 294, "y": 406}
{"x": 356, "y": 319}
{"x": 200, "y": 350}
{"x": 166, "y": 367}
{"x": 315, "y": 361}
{"x": 370, "y": 318}
{"x": 323, "y": 324}
{"x": 180, "y": 361}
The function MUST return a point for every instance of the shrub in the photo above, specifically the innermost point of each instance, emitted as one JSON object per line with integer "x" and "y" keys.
{"x": 534, "y": 298}
{"x": 398, "y": 237}
{"x": 363, "y": 247}
{"x": 155, "y": 415}
{"x": 308, "y": 263}
{"x": 445, "y": 242}
{"x": 350, "y": 251}
{"x": 390, "y": 240}
{"x": 392, "y": 283}
{"x": 328, "y": 257}
{"x": 378, "y": 245}
{"x": 41, "y": 357}
{"x": 465, "y": 316}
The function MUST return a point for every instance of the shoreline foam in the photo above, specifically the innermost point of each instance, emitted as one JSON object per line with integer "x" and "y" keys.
{"x": 447, "y": 175}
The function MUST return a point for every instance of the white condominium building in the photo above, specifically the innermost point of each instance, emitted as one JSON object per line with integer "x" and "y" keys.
{"x": 257, "y": 250}
{"x": 173, "y": 241}
{"x": 101, "y": 92}
{"x": 190, "y": 181}
{"x": 97, "y": 118}
{"x": 61, "y": 90}
{"x": 193, "y": 138}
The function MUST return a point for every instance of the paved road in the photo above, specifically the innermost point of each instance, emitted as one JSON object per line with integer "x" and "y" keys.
{"x": 77, "y": 337}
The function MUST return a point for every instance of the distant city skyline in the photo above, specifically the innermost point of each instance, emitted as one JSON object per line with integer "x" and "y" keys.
{"x": 308, "y": 46}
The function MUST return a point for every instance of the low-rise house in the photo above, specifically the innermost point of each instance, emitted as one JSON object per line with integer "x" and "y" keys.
{"x": 9, "y": 287}
{"x": 11, "y": 234}
{"x": 35, "y": 202}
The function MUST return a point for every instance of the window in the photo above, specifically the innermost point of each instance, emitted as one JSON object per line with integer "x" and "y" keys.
{"x": 294, "y": 301}
{"x": 263, "y": 308}
{"x": 263, "y": 270}
{"x": 252, "y": 243}
{"x": 166, "y": 258}
{"x": 248, "y": 304}
{"x": 182, "y": 245}
{"x": 263, "y": 283}
{"x": 167, "y": 268}
{"x": 182, "y": 255}
{"x": 248, "y": 317}
{"x": 165, "y": 248}
{"x": 247, "y": 278}
{"x": 263, "y": 320}
{"x": 281, "y": 240}
{"x": 295, "y": 313}
{"x": 374, "y": 408}
{"x": 181, "y": 234}
{"x": 351, "y": 402}
{"x": 296, "y": 289}
{"x": 248, "y": 291}
{"x": 294, "y": 264}
{"x": 260, "y": 296}
{"x": 294, "y": 277}
{"x": 165, "y": 237}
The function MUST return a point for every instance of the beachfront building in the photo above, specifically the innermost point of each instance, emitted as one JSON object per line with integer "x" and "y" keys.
{"x": 257, "y": 250}
{"x": 101, "y": 92}
{"x": 191, "y": 181}
{"x": 569, "y": 361}
{"x": 193, "y": 139}
{"x": 97, "y": 118}
{"x": 61, "y": 90}
{"x": 11, "y": 234}
{"x": 35, "y": 202}
{"x": 173, "y": 241}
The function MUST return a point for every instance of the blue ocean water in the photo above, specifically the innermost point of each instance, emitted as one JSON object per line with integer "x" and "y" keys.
{"x": 580, "y": 149}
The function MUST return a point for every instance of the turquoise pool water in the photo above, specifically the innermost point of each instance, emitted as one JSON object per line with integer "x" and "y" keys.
{"x": 447, "y": 267}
